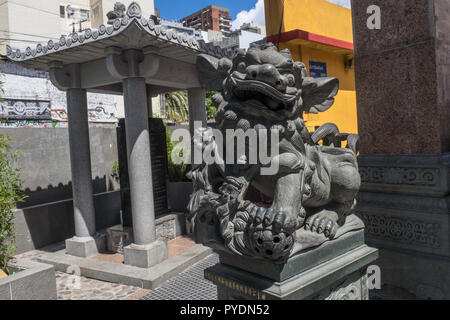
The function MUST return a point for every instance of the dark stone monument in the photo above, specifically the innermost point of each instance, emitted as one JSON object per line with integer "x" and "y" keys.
{"x": 308, "y": 244}
{"x": 159, "y": 168}
{"x": 403, "y": 99}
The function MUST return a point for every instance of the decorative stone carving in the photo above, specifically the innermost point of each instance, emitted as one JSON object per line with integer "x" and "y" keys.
{"x": 400, "y": 176}
{"x": 313, "y": 190}
{"x": 352, "y": 288}
{"x": 404, "y": 230}
{"x": 25, "y": 109}
{"x": 118, "y": 12}
{"x": 120, "y": 20}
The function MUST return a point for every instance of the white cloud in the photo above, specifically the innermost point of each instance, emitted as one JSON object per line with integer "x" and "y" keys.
{"x": 255, "y": 15}
{"x": 344, "y": 3}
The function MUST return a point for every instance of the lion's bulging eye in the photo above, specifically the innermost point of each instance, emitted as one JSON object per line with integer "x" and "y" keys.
{"x": 242, "y": 67}
{"x": 291, "y": 79}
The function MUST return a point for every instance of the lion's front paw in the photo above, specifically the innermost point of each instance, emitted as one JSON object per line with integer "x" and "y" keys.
{"x": 323, "y": 222}
{"x": 278, "y": 220}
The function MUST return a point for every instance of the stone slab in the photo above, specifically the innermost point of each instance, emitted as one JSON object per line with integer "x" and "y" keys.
{"x": 404, "y": 203}
{"x": 412, "y": 230}
{"x": 299, "y": 263}
{"x": 404, "y": 23}
{"x": 149, "y": 278}
{"x": 392, "y": 113}
{"x": 308, "y": 284}
{"x": 413, "y": 174}
{"x": 36, "y": 281}
{"x": 425, "y": 276}
{"x": 158, "y": 149}
{"x": 407, "y": 59}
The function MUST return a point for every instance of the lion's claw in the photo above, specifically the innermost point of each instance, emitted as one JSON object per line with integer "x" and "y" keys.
{"x": 322, "y": 223}
{"x": 259, "y": 215}
{"x": 278, "y": 222}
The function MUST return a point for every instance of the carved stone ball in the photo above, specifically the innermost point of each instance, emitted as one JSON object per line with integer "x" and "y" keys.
{"x": 270, "y": 246}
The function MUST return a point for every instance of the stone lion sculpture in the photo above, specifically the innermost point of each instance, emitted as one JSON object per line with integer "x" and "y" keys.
{"x": 118, "y": 12}
{"x": 315, "y": 187}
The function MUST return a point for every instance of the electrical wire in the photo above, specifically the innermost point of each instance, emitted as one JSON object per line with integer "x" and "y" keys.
{"x": 28, "y": 34}
{"x": 281, "y": 25}
{"x": 34, "y": 8}
{"x": 21, "y": 40}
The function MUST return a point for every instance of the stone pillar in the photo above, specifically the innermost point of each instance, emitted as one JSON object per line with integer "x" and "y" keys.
{"x": 145, "y": 250}
{"x": 84, "y": 243}
{"x": 403, "y": 98}
{"x": 197, "y": 110}
{"x": 139, "y": 163}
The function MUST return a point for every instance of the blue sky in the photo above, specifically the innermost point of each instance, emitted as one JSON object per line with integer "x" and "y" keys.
{"x": 177, "y": 9}
{"x": 241, "y": 11}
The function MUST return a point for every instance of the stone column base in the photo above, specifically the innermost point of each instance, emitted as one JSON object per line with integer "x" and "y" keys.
{"x": 85, "y": 246}
{"x": 341, "y": 278}
{"x": 145, "y": 256}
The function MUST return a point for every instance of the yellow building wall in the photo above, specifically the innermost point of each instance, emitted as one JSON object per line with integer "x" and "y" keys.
{"x": 316, "y": 16}
{"x": 327, "y": 19}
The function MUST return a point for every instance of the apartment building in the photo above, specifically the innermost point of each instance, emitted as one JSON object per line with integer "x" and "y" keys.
{"x": 210, "y": 18}
{"x": 242, "y": 38}
{"x": 29, "y": 98}
{"x": 18, "y": 18}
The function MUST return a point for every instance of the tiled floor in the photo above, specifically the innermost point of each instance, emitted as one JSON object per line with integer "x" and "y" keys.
{"x": 180, "y": 244}
{"x": 188, "y": 285}
{"x": 70, "y": 287}
{"x": 109, "y": 257}
{"x": 175, "y": 246}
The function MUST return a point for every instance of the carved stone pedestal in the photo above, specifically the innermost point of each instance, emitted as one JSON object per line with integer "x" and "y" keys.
{"x": 335, "y": 270}
{"x": 404, "y": 202}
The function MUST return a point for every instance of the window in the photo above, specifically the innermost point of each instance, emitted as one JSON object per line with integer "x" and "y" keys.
{"x": 62, "y": 11}
{"x": 84, "y": 14}
{"x": 77, "y": 14}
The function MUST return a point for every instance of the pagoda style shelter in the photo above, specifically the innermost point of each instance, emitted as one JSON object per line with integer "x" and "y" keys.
{"x": 136, "y": 58}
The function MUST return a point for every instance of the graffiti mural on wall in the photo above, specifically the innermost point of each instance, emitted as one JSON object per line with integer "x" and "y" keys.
{"x": 99, "y": 113}
{"x": 102, "y": 112}
{"x": 22, "y": 109}
{"x": 34, "y": 101}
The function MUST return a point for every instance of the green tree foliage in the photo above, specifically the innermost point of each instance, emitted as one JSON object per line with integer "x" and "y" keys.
{"x": 177, "y": 107}
{"x": 177, "y": 172}
{"x": 115, "y": 171}
{"x": 210, "y": 109}
{"x": 10, "y": 195}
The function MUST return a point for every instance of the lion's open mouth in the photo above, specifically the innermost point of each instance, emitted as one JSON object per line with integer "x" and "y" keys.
{"x": 268, "y": 95}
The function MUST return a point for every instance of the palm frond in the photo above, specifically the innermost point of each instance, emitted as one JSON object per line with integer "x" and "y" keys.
{"x": 177, "y": 107}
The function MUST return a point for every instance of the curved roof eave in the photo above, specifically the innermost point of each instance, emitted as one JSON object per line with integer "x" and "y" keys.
{"x": 90, "y": 44}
